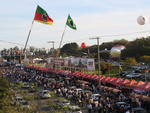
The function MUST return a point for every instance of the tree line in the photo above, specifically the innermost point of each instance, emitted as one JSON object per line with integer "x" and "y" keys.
{"x": 138, "y": 49}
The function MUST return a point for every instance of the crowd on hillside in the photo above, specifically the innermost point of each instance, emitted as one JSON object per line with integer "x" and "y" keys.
{"x": 104, "y": 103}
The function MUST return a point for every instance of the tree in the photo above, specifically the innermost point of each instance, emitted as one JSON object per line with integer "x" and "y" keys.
{"x": 32, "y": 49}
{"x": 105, "y": 66}
{"x": 130, "y": 61}
{"x": 137, "y": 48}
{"x": 145, "y": 59}
{"x": 70, "y": 49}
{"x": 108, "y": 46}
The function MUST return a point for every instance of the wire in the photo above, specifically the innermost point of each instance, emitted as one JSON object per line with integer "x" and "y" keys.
{"x": 125, "y": 34}
{"x": 131, "y": 33}
{"x": 11, "y": 42}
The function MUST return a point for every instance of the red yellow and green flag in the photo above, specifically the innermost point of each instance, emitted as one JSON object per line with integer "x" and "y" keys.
{"x": 42, "y": 16}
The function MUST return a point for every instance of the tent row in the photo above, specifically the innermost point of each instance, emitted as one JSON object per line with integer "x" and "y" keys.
{"x": 120, "y": 82}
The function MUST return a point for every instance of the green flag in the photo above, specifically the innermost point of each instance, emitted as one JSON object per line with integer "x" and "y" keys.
{"x": 70, "y": 23}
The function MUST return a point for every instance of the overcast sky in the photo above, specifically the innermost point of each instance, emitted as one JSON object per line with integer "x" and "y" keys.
{"x": 92, "y": 18}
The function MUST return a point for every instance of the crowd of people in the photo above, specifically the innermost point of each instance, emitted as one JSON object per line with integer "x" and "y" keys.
{"x": 106, "y": 102}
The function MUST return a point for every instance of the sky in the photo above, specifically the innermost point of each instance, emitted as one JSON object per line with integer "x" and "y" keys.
{"x": 92, "y": 17}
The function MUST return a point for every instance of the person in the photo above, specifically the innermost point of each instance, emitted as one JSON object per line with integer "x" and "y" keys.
{"x": 128, "y": 111}
{"x": 89, "y": 108}
{"x": 99, "y": 108}
{"x": 79, "y": 111}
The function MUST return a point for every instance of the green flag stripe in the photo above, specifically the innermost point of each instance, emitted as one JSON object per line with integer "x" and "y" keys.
{"x": 40, "y": 10}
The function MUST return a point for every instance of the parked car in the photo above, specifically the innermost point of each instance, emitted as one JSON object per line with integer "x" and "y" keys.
{"x": 72, "y": 87}
{"x": 45, "y": 94}
{"x": 74, "y": 109}
{"x": 32, "y": 89}
{"x": 19, "y": 99}
{"x": 138, "y": 110}
{"x": 25, "y": 85}
{"x": 121, "y": 106}
{"x": 78, "y": 90}
{"x": 140, "y": 92}
{"x": 63, "y": 103}
{"x": 134, "y": 75}
{"x": 95, "y": 96}
{"x": 25, "y": 104}
{"x": 124, "y": 73}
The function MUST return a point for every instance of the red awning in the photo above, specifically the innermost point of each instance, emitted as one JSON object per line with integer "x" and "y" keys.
{"x": 107, "y": 79}
{"x": 131, "y": 84}
{"x": 118, "y": 82}
{"x": 125, "y": 81}
{"x": 94, "y": 77}
{"x": 112, "y": 79}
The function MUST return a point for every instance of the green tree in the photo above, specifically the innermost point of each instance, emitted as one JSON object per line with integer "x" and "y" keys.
{"x": 105, "y": 67}
{"x": 130, "y": 61}
{"x": 137, "y": 48}
{"x": 145, "y": 59}
{"x": 70, "y": 49}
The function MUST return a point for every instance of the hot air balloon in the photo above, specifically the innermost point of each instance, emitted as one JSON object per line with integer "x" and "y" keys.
{"x": 120, "y": 47}
{"x": 83, "y": 45}
{"x": 115, "y": 52}
{"x": 141, "y": 20}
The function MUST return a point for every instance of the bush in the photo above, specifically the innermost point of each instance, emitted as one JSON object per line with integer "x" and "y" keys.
{"x": 130, "y": 61}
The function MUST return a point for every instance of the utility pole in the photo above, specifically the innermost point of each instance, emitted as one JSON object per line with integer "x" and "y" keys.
{"x": 52, "y": 45}
{"x": 98, "y": 52}
{"x": 53, "y": 64}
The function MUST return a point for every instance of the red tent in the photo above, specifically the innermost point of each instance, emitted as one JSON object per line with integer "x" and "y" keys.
{"x": 131, "y": 84}
{"x": 124, "y": 82}
{"x": 77, "y": 74}
{"x": 84, "y": 75}
{"x": 118, "y": 82}
{"x": 102, "y": 78}
{"x": 89, "y": 76}
{"x": 97, "y": 78}
{"x": 147, "y": 87}
{"x": 140, "y": 85}
{"x": 94, "y": 77}
{"x": 112, "y": 79}
{"x": 107, "y": 79}
{"x": 67, "y": 73}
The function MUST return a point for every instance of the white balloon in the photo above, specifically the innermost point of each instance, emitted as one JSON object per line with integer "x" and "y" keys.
{"x": 141, "y": 20}
{"x": 120, "y": 47}
{"x": 115, "y": 52}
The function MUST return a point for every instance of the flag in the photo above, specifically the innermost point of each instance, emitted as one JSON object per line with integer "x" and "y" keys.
{"x": 70, "y": 23}
{"x": 42, "y": 16}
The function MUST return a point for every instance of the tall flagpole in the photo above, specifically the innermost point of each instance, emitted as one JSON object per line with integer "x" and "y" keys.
{"x": 25, "y": 57}
{"x": 58, "y": 52}
{"x": 28, "y": 36}
{"x": 62, "y": 36}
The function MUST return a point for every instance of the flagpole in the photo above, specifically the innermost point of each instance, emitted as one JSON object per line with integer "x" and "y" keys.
{"x": 62, "y": 36}
{"x": 58, "y": 52}
{"x": 28, "y": 35}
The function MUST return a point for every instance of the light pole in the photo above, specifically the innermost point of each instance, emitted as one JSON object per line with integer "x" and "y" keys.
{"x": 98, "y": 52}
{"x": 52, "y": 45}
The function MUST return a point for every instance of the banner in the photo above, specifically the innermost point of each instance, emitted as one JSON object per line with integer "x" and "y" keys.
{"x": 90, "y": 64}
{"x": 74, "y": 62}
